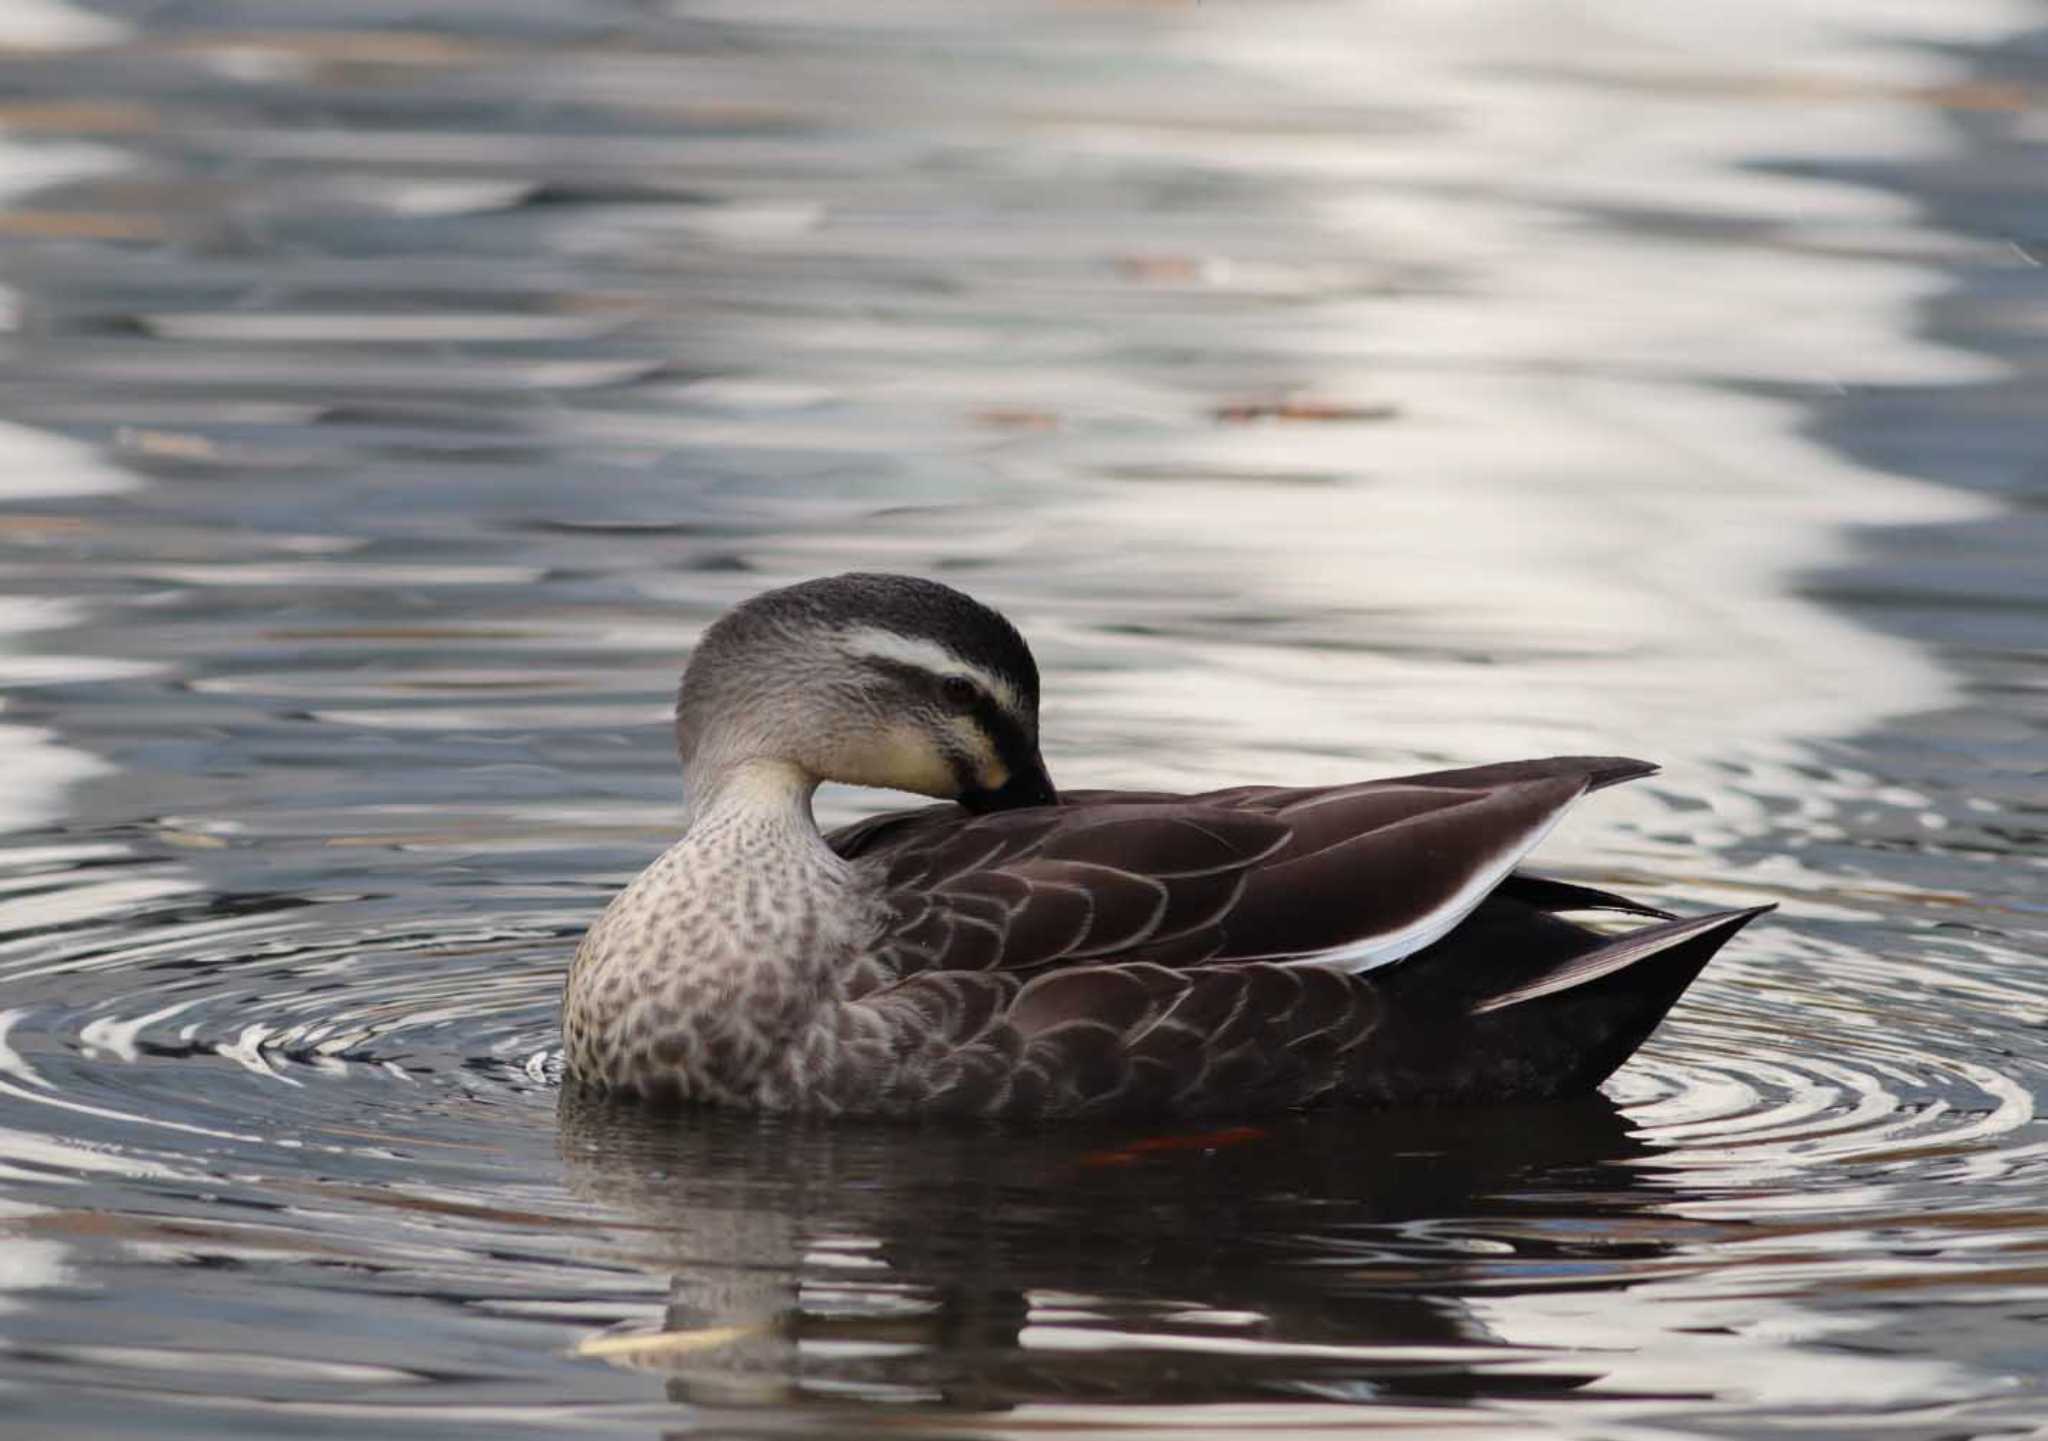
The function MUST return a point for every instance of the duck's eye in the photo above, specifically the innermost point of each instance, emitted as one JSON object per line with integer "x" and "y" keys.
{"x": 959, "y": 692}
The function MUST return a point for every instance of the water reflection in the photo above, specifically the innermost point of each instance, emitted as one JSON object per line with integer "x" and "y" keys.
{"x": 984, "y": 1271}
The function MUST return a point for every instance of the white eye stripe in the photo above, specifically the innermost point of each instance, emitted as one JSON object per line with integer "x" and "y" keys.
{"x": 874, "y": 643}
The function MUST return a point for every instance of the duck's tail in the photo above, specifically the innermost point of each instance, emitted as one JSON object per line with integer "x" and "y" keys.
{"x": 1554, "y": 1011}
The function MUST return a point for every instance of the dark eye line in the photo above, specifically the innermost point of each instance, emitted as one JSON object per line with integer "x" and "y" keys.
{"x": 956, "y": 690}
{"x": 1012, "y": 744}
{"x": 959, "y": 691}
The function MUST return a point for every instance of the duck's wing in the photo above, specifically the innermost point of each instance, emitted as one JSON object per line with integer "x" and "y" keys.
{"x": 1346, "y": 877}
{"x": 1550, "y": 1014}
{"x": 1059, "y": 886}
{"x": 1130, "y": 1039}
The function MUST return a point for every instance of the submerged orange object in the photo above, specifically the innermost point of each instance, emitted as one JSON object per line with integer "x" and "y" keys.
{"x": 1145, "y": 1146}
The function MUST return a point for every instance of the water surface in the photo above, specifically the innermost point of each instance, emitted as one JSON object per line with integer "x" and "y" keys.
{"x": 1326, "y": 388}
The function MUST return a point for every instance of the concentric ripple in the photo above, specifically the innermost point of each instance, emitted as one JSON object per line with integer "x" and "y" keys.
{"x": 296, "y": 1006}
{"x": 294, "y": 992}
{"x": 354, "y": 1009}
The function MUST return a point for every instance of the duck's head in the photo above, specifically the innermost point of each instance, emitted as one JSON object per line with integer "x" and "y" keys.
{"x": 872, "y": 680}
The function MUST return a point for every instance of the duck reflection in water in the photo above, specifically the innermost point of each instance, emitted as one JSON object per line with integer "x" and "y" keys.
{"x": 1303, "y": 1258}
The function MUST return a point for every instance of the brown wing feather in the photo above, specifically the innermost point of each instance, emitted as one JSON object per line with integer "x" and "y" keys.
{"x": 1254, "y": 872}
{"x": 1398, "y": 864}
{"x": 1072, "y": 884}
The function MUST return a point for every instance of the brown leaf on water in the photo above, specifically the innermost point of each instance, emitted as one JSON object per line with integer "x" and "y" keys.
{"x": 17, "y": 527}
{"x": 1988, "y": 95}
{"x": 1160, "y": 269}
{"x": 78, "y": 117}
{"x": 80, "y": 225}
{"x": 1806, "y": 88}
{"x": 354, "y": 47}
{"x": 1004, "y": 418}
{"x": 1246, "y": 412}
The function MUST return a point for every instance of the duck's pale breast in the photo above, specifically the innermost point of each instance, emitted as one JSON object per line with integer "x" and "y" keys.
{"x": 705, "y": 975}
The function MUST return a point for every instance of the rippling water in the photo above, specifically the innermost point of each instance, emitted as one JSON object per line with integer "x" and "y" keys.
{"x": 1325, "y": 387}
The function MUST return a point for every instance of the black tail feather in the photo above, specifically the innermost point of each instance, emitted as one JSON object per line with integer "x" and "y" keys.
{"x": 1648, "y": 960}
{"x": 1579, "y": 1021}
{"x": 1528, "y": 1006}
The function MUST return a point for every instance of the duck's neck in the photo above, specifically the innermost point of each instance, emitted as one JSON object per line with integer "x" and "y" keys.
{"x": 703, "y": 974}
{"x": 768, "y": 912}
{"x": 773, "y": 797}
{"x": 751, "y": 846}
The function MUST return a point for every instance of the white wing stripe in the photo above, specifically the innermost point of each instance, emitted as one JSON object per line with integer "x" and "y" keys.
{"x": 1369, "y": 952}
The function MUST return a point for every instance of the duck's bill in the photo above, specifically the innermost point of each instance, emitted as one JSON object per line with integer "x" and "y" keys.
{"x": 1028, "y": 785}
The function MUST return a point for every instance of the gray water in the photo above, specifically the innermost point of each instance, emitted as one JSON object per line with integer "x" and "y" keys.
{"x": 392, "y": 392}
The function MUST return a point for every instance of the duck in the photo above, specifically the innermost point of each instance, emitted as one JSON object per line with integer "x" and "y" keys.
{"x": 1019, "y": 953}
